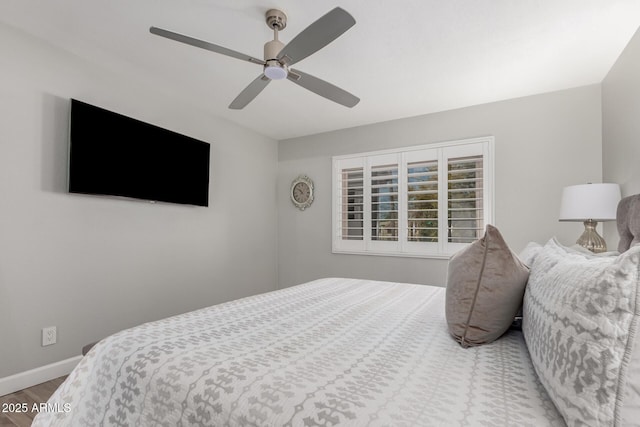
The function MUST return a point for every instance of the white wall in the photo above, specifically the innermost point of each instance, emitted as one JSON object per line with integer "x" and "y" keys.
{"x": 93, "y": 265}
{"x": 621, "y": 126}
{"x": 542, "y": 143}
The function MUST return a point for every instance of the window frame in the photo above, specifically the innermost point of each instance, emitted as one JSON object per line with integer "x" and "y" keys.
{"x": 440, "y": 151}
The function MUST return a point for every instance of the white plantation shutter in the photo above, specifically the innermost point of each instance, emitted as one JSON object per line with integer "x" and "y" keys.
{"x": 352, "y": 195}
{"x": 349, "y": 205}
{"x": 384, "y": 202}
{"x": 465, "y": 199}
{"x": 469, "y": 169}
{"x": 422, "y": 201}
{"x": 428, "y": 200}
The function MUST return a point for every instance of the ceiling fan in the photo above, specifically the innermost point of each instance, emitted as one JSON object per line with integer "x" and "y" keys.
{"x": 278, "y": 57}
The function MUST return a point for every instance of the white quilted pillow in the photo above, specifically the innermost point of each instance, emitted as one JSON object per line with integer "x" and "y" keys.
{"x": 529, "y": 253}
{"x": 580, "y": 320}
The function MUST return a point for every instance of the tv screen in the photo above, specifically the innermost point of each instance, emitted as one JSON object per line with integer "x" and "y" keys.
{"x": 111, "y": 154}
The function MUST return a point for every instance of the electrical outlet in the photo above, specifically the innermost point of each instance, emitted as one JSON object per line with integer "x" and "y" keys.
{"x": 49, "y": 335}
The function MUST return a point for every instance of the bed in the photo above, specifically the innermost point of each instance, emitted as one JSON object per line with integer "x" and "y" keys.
{"x": 329, "y": 352}
{"x": 352, "y": 352}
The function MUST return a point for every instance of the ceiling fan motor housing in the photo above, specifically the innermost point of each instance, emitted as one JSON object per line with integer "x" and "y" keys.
{"x": 272, "y": 49}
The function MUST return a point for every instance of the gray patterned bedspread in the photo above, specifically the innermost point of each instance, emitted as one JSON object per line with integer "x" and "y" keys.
{"x": 328, "y": 352}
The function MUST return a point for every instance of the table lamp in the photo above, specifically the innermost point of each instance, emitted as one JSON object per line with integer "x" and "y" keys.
{"x": 590, "y": 203}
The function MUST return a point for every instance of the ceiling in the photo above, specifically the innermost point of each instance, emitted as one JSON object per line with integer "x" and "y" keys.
{"x": 402, "y": 58}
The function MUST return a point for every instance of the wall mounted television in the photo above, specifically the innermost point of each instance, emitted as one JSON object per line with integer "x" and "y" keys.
{"x": 111, "y": 154}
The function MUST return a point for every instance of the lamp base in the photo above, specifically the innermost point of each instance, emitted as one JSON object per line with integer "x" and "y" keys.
{"x": 590, "y": 239}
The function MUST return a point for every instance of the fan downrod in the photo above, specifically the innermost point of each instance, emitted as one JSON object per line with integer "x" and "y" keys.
{"x": 276, "y": 19}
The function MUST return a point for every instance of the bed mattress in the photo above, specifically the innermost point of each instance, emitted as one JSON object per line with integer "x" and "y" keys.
{"x": 329, "y": 352}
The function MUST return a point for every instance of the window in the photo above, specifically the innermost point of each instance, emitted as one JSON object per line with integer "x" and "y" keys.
{"x": 429, "y": 200}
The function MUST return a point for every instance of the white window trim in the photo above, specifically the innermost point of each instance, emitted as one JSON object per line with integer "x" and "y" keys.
{"x": 402, "y": 247}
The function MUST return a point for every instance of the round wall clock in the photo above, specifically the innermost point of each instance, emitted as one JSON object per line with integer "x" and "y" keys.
{"x": 302, "y": 192}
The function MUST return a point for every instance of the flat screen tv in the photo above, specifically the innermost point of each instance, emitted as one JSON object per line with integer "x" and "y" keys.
{"x": 111, "y": 154}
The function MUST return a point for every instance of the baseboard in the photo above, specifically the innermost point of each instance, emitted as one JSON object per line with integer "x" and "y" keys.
{"x": 27, "y": 379}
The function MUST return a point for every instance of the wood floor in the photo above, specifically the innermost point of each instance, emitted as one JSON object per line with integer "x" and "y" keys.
{"x": 10, "y": 417}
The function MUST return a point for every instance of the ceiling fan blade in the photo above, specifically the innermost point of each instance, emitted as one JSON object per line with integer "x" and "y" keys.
{"x": 250, "y": 92}
{"x": 322, "y": 88}
{"x": 204, "y": 45}
{"x": 316, "y": 36}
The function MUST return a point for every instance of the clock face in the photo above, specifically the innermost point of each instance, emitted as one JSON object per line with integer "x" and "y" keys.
{"x": 302, "y": 192}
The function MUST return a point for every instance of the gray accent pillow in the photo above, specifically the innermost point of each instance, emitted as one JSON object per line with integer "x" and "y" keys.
{"x": 580, "y": 320}
{"x": 485, "y": 285}
{"x": 628, "y": 222}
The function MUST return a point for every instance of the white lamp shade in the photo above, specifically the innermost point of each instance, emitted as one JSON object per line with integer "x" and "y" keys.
{"x": 590, "y": 201}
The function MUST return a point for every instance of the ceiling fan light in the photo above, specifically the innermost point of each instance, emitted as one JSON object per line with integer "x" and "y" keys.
{"x": 275, "y": 72}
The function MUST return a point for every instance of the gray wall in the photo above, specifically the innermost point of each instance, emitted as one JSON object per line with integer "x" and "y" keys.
{"x": 621, "y": 126}
{"x": 93, "y": 265}
{"x": 542, "y": 143}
